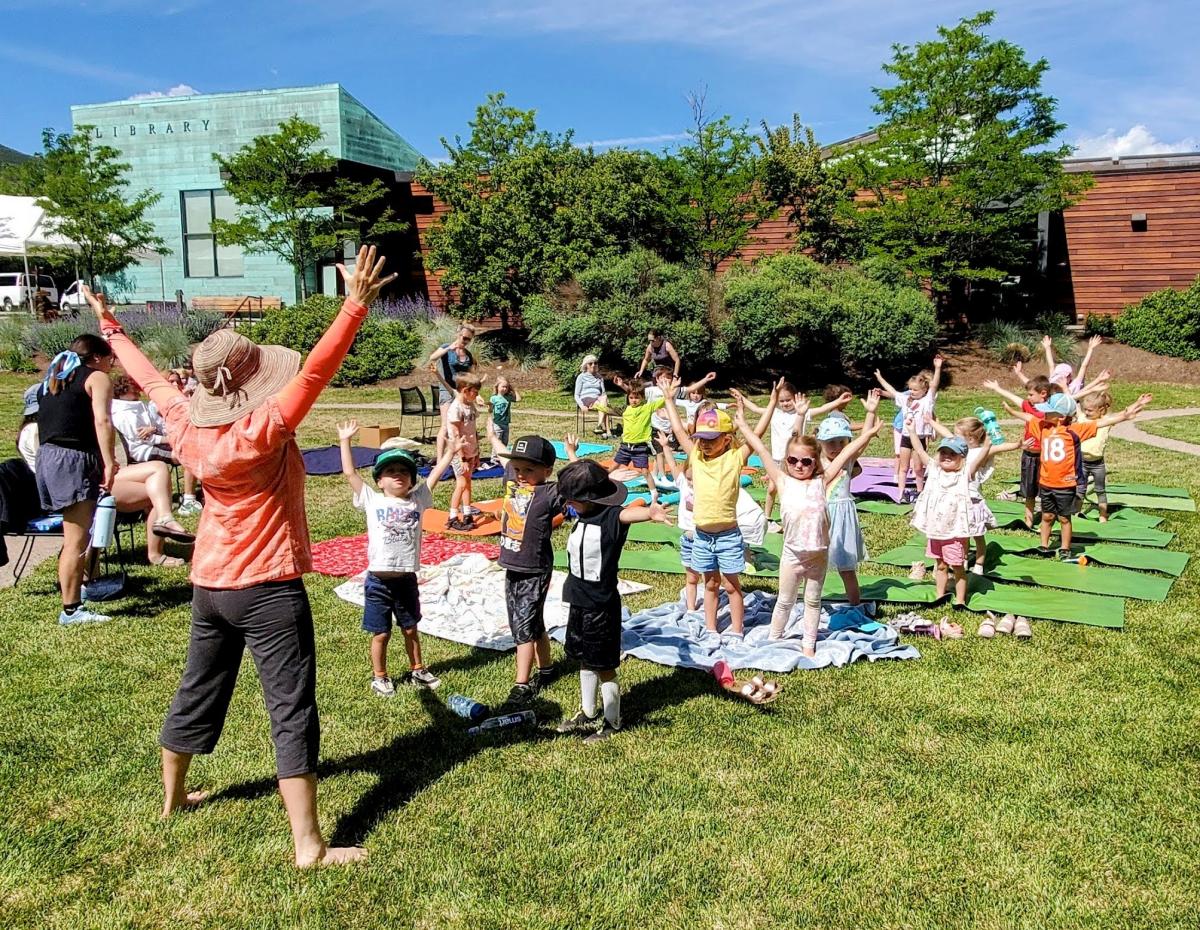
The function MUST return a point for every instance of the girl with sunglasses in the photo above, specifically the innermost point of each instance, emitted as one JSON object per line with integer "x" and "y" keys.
{"x": 803, "y": 483}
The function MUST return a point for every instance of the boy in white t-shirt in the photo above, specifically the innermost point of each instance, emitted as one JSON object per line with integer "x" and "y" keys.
{"x": 393, "y": 550}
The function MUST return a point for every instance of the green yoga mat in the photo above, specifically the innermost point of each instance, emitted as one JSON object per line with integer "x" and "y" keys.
{"x": 1185, "y": 504}
{"x": 1152, "y": 490}
{"x": 665, "y": 561}
{"x": 1166, "y": 561}
{"x": 884, "y": 507}
{"x": 651, "y": 532}
{"x": 1089, "y": 579}
{"x": 1012, "y": 513}
{"x": 1131, "y": 517}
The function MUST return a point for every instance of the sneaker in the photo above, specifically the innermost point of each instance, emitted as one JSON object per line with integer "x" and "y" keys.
{"x": 987, "y": 626}
{"x": 1046, "y": 552}
{"x": 80, "y": 616}
{"x": 605, "y": 732}
{"x": 599, "y": 431}
{"x": 189, "y": 508}
{"x": 471, "y": 511}
{"x": 1007, "y": 496}
{"x": 424, "y": 678}
{"x": 773, "y": 527}
{"x": 520, "y": 697}
{"x": 383, "y": 687}
{"x": 544, "y": 677}
{"x": 977, "y": 569}
{"x": 578, "y": 723}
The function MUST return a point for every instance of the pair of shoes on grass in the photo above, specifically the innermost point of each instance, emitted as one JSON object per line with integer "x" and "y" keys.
{"x": 582, "y": 723}
{"x": 1020, "y": 627}
{"x": 466, "y": 522}
{"x": 80, "y": 616}
{"x": 420, "y": 677}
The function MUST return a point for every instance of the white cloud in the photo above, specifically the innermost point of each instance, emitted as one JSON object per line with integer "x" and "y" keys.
{"x": 179, "y": 90}
{"x": 1137, "y": 140}
{"x": 633, "y": 141}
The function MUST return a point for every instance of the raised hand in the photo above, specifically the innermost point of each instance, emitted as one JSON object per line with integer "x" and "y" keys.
{"x": 676, "y": 383}
{"x": 711, "y": 376}
{"x": 739, "y": 414}
{"x": 1018, "y": 367}
{"x": 736, "y": 394}
{"x": 991, "y": 384}
{"x": 658, "y": 513}
{"x": 1138, "y": 405}
{"x": 99, "y": 306}
{"x": 844, "y": 398}
{"x": 663, "y": 439}
{"x": 364, "y": 283}
{"x": 571, "y": 441}
{"x": 1105, "y": 375}
{"x": 1047, "y": 342}
{"x": 347, "y": 431}
{"x": 938, "y": 360}
{"x": 871, "y": 403}
{"x": 1095, "y": 341}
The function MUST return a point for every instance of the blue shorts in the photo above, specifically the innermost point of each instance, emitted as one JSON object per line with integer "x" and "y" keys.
{"x": 724, "y": 552}
{"x": 638, "y": 454}
{"x": 685, "y": 550}
{"x": 388, "y": 598}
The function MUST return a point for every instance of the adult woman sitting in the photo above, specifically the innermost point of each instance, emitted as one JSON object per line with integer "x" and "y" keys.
{"x": 238, "y": 434}
{"x": 144, "y": 435}
{"x": 659, "y": 354}
{"x": 589, "y": 392}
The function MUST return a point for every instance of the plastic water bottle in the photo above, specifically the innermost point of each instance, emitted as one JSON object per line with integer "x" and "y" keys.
{"x": 467, "y": 707}
{"x": 991, "y": 424}
{"x": 507, "y": 720}
{"x": 104, "y": 522}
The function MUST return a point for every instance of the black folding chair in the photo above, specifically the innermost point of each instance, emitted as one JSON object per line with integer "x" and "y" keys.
{"x": 412, "y": 403}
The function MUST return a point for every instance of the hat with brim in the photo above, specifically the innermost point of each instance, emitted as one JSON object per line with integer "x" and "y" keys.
{"x": 1062, "y": 404}
{"x": 712, "y": 422}
{"x": 237, "y": 376}
{"x": 30, "y": 398}
{"x": 586, "y": 481}
{"x": 834, "y": 428}
{"x": 394, "y": 457}
{"x": 955, "y": 444}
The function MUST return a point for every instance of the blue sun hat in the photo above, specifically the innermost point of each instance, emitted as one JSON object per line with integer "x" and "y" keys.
{"x": 955, "y": 444}
{"x": 30, "y": 399}
{"x": 1062, "y": 404}
{"x": 834, "y": 428}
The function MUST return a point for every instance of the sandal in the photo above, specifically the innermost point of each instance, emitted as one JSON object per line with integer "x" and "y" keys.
{"x": 1022, "y": 628}
{"x": 163, "y": 529}
{"x": 987, "y": 626}
{"x": 168, "y": 561}
{"x": 1005, "y": 626}
{"x": 918, "y": 571}
{"x": 949, "y": 629}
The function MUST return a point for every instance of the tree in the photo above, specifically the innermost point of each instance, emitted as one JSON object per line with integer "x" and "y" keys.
{"x": 291, "y": 202}
{"x": 82, "y": 187}
{"x": 529, "y": 209}
{"x": 24, "y": 177}
{"x": 715, "y": 177}
{"x": 964, "y": 160}
{"x": 797, "y": 178}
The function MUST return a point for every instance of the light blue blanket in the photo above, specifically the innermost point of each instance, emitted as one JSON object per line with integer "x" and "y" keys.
{"x": 585, "y": 448}
{"x": 669, "y": 635}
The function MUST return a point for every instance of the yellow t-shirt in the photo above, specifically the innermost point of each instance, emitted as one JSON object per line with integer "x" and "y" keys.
{"x": 1093, "y": 449}
{"x": 715, "y": 486}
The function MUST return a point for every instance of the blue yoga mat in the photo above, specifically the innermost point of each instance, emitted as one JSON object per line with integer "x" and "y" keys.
{"x": 585, "y": 448}
{"x": 327, "y": 460}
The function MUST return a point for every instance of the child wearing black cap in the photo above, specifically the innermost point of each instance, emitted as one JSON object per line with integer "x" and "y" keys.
{"x": 531, "y": 503}
{"x": 594, "y": 621}
{"x": 393, "y": 550}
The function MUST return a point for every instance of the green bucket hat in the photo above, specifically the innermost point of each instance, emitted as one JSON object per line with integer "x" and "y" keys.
{"x": 390, "y": 456}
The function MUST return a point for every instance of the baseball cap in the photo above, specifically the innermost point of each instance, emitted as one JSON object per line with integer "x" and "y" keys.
{"x": 1062, "y": 404}
{"x": 30, "y": 397}
{"x": 586, "y": 480}
{"x": 712, "y": 423}
{"x": 955, "y": 444}
{"x": 533, "y": 449}
{"x": 392, "y": 457}
{"x": 834, "y": 428}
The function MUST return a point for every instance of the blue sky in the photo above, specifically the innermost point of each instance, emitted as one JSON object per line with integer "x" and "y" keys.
{"x": 1126, "y": 73}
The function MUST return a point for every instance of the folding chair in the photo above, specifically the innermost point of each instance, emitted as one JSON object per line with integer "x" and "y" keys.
{"x": 412, "y": 402}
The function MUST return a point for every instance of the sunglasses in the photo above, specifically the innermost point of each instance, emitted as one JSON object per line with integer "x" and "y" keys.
{"x": 805, "y": 461}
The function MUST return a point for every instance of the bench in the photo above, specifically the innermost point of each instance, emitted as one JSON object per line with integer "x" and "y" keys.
{"x": 237, "y": 308}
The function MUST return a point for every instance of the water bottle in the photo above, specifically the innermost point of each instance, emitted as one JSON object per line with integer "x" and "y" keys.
{"x": 507, "y": 720}
{"x": 467, "y": 707}
{"x": 988, "y": 419}
{"x": 104, "y": 522}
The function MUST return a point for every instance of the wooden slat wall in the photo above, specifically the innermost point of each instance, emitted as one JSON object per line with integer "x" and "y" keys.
{"x": 433, "y": 280}
{"x": 1112, "y": 266}
{"x": 770, "y": 237}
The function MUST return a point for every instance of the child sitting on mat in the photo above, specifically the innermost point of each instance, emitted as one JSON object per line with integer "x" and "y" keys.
{"x": 913, "y": 406}
{"x": 1061, "y": 468}
{"x": 531, "y": 503}
{"x": 460, "y": 424}
{"x": 393, "y": 551}
{"x": 590, "y": 589}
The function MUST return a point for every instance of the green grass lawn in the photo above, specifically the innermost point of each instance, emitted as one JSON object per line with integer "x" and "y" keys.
{"x": 989, "y": 784}
{"x": 1186, "y": 429}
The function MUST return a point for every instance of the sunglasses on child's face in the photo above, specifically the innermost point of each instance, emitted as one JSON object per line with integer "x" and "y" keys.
{"x": 803, "y": 462}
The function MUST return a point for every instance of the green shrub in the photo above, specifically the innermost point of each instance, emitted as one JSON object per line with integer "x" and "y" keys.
{"x": 1166, "y": 322}
{"x": 381, "y": 350}
{"x": 1100, "y": 324}
{"x": 881, "y": 326}
{"x": 15, "y": 345}
{"x": 55, "y": 337}
{"x": 198, "y": 325}
{"x": 1010, "y": 342}
{"x": 166, "y": 345}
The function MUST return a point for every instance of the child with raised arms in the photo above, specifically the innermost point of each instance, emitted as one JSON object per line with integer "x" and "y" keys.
{"x": 460, "y": 424}
{"x": 393, "y": 515}
{"x": 1037, "y": 391}
{"x": 913, "y": 406}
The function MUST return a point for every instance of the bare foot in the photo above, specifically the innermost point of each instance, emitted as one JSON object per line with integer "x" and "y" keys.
{"x": 332, "y": 855}
{"x": 190, "y": 800}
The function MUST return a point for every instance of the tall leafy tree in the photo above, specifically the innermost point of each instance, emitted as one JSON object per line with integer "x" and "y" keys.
{"x": 83, "y": 190}
{"x": 798, "y": 179}
{"x": 964, "y": 159}
{"x": 292, "y": 203}
{"x": 715, "y": 176}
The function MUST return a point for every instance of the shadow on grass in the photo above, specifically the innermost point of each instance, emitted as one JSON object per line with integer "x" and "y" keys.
{"x": 412, "y": 762}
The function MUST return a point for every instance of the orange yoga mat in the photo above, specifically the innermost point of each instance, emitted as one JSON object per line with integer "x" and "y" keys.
{"x": 486, "y": 523}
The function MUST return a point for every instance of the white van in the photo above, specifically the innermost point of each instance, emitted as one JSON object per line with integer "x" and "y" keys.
{"x": 16, "y": 290}
{"x": 72, "y": 299}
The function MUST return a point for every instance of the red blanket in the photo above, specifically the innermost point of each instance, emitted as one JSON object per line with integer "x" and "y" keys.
{"x": 347, "y": 555}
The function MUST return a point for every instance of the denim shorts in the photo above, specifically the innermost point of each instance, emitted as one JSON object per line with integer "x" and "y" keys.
{"x": 638, "y": 454}
{"x": 724, "y": 552}
{"x": 385, "y": 598}
{"x": 685, "y": 550}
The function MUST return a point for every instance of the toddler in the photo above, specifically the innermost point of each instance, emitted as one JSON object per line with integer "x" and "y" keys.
{"x": 1095, "y": 472}
{"x": 460, "y": 420}
{"x": 501, "y": 403}
{"x": 1037, "y": 391}
{"x": 636, "y": 449}
{"x": 913, "y": 406}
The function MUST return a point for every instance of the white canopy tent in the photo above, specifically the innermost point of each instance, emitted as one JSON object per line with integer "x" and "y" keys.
{"x": 23, "y": 231}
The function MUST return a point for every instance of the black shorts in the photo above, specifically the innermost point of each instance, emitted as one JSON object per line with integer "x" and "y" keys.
{"x": 1031, "y": 462}
{"x": 525, "y": 595}
{"x": 637, "y": 454}
{"x": 905, "y": 441}
{"x": 385, "y": 599}
{"x": 594, "y": 635}
{"x": 1059, "y": 502}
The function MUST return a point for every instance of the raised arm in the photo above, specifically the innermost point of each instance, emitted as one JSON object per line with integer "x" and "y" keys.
{"x": 362, "y": 287}
{"x": 1018, "y": 369}
{"x": 918, "y": 446}
{"x": 884, "y": 386}
{"x": 1087, "y": 357}
{"x": 764, "y": 421}
{"x": 677, "y": 467}
{"x": 940, "y": 428}
{"x": 345, "y": 432}
{"x": 755, "y": 443}
{"x": 454, "y": 445}
{"x": 1007, "y": 395}
{"x": 1019, "y": 413}
{"x": 1129, "y": 413}
{"x": 1048, "y": 348}
{"x": 871, "y": 405}
{"x": 677, "y": 425}
{"x": 136, "y": 365}
{"x": 838, "y": 403}
{"x": 644, "y": 513}
{"x": 696, "y": 385}
{"x": 1098, "y": 384}
{"x": 571, "y": 441}
{"x": 936, "y": 381}
{"x": 851, "y": 451}
{"x": 738, "y": 396}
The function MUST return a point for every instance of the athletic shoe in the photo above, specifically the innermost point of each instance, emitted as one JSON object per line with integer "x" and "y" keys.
{"x": 987, "y": 626}
{"x": 80, "y": 616}
{"x": 544, "y": 677}
{"x": 189, "y": 508}
{"x": 471, "y": 511}
{"x": 520, "y": 697}
{"x": 918, "y": 571}
{"x": 424, "y": 678}
{"x": 1047, "y": 552}
{"x": 599, "y": 431}
{"x": 773, "y": 527}
{"x": 578, "y": 723}
{"x": 605, "y": 732}
{"x": 977, "y": 569}
{"x": 383, "y": 687}
{"x": 1007, "y": 496}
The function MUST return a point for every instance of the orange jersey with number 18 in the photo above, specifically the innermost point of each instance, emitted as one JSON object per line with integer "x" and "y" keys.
{"x": 1058, "y": 464}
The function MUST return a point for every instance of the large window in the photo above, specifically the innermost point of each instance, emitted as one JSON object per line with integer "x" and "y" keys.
{"x": 202, "y": 257}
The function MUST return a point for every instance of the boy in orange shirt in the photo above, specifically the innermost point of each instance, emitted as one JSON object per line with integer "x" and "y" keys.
{"x": 1062, "y": 461}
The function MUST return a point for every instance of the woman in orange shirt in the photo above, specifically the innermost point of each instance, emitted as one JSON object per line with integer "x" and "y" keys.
{"x": 237, "y": 434}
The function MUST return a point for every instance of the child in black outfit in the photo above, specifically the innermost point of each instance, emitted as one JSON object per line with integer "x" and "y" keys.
{"x": 594, "y": 622}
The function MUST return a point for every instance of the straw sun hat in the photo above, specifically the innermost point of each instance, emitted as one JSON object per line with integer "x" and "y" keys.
{"x": 236, "y": 376}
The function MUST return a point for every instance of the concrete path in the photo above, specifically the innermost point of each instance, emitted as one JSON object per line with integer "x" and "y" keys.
{"x": 395, "y": 408}
{"x": 1130, "y": 431}
{"x": 44, "y": 548}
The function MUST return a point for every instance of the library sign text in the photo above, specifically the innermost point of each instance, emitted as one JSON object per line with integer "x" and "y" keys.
{"x": 173, "y": 128}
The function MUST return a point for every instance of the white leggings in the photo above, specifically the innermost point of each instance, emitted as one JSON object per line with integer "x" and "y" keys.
{"x": 794, "y": 565}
